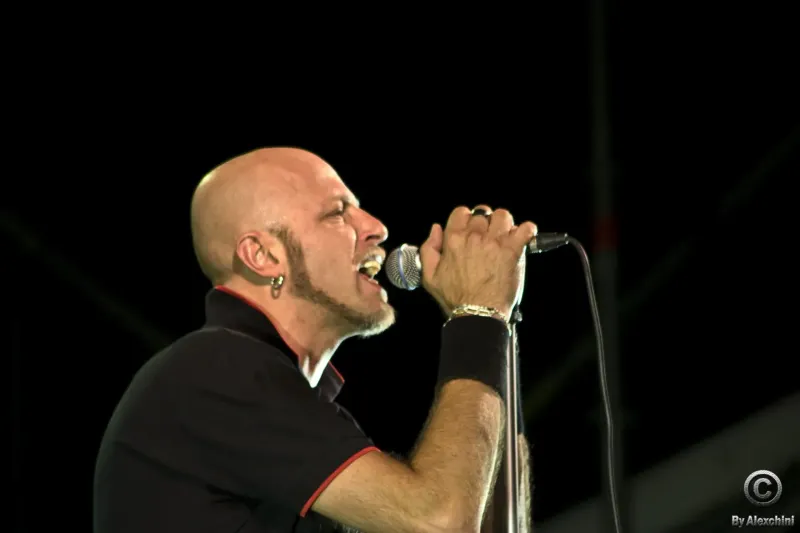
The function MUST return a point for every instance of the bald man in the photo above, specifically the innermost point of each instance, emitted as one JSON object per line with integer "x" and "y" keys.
{"x": 235, "y": 427}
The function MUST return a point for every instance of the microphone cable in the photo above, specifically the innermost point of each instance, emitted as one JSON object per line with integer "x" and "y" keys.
{"x": 601, "y": 360}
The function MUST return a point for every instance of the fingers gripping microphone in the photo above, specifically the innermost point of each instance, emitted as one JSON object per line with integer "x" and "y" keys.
{"x": 404, "y": 268}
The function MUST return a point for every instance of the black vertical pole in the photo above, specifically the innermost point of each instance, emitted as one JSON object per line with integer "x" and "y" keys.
{"x": 605, "y": 248}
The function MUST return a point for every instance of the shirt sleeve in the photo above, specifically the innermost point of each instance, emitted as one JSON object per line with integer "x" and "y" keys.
{"x": 248, "y": 422}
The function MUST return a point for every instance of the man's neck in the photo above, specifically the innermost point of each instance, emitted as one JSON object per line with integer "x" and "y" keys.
{"x": 301, "y": 327}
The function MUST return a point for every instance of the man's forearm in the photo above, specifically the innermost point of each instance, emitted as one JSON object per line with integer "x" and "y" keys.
{"x": 458, "y": 449}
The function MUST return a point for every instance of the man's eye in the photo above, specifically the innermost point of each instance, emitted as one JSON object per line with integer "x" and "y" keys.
{"x": 338, "y": 212}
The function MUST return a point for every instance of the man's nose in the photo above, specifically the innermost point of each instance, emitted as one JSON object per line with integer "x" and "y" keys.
{"x": 373, "y": 229}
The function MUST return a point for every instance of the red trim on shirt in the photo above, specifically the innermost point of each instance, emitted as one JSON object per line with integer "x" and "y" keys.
{"x": 245, "y": 299}
{"x": 254, "y": 305}
{"x": 337, "y": 372}
{"x": 330, "y": 478}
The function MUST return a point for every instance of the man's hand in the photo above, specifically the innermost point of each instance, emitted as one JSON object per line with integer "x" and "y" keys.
{"x": 476, "y": 259}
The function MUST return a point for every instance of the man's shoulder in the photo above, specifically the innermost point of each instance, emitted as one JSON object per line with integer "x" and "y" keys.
{"x": 211, "y": 342}
{"x": 208, "y": 360}
{"x": 210, "y": 339}
{"x": 213, "y": 351}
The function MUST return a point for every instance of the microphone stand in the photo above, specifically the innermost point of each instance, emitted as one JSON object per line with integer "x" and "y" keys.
{"x": 512, "y": 474}
{"x": 512, "y": 403}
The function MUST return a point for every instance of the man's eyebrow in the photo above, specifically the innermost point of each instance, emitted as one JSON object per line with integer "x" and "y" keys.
{"x": 346, "y": 199}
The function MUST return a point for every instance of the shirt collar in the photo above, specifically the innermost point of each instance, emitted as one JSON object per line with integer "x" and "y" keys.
{"x": 226, "y": 308}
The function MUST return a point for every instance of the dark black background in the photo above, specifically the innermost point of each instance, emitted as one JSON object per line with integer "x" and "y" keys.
{"x": 496, "y": 109}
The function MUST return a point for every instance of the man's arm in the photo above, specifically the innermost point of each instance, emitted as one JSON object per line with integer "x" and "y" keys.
{"x": 446, "y": 484}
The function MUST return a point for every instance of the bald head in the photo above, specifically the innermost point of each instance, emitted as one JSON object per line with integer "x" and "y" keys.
{"x": 251, "y": 192}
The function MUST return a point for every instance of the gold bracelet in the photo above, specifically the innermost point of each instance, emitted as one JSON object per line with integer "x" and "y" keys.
{"x": 477, "y": 310}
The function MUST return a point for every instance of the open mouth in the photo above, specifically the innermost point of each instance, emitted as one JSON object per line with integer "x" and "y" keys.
{"x": 370, "y": 267}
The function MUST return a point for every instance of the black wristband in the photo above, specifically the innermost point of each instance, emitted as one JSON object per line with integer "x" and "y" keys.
{"x": 475, "y": 347}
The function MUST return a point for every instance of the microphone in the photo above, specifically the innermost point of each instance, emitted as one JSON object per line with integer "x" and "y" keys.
{"x": 404, "y": 267}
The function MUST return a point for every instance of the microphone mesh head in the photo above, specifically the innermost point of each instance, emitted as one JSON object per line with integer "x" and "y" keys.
{"x": 403, "y": 267}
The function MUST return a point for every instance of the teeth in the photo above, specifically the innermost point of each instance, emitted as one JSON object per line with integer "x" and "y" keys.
{"x": 370, "y": 267}
{"x": 375, "y": 258}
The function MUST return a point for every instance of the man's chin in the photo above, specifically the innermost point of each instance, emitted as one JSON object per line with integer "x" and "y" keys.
{"x": 377, "y": 322}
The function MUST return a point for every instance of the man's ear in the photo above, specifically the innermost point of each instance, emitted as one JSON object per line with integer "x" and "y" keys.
{"x": 258, "y": 253}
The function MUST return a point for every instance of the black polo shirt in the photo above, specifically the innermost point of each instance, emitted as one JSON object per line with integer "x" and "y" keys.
{"x": 221, "y": 433}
